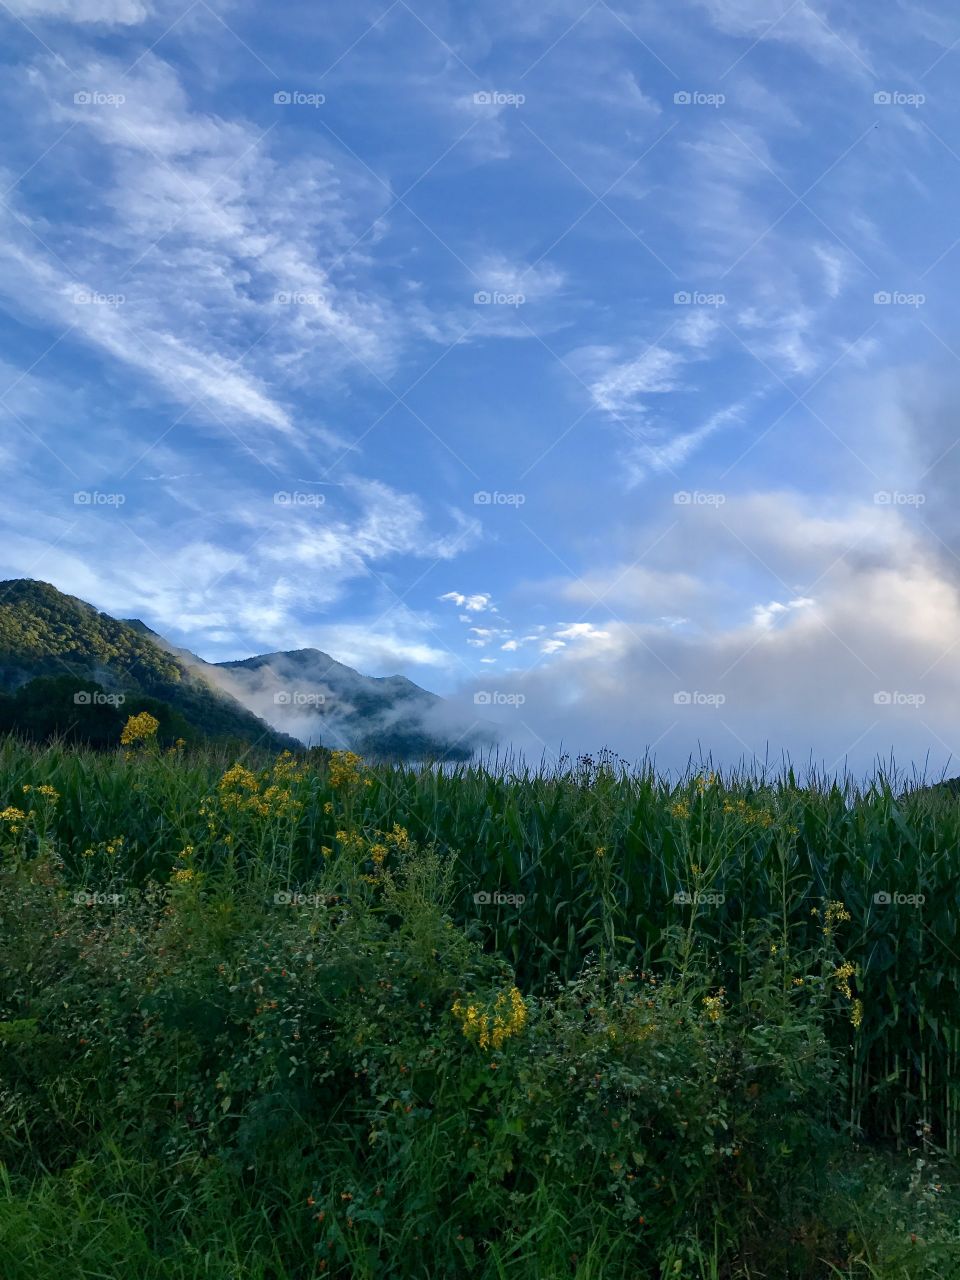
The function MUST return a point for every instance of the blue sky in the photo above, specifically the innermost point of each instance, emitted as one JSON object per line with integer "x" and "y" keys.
{"x": 286, "y": 294}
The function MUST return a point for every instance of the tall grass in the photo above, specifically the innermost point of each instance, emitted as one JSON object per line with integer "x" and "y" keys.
{"x": 586, "y": 1022}
{"x": 774, "y": 850}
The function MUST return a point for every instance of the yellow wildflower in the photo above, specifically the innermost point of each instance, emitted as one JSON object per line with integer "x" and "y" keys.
{"x": 834, "y": 912}
{"x": 842, "y": 977}
{"x": 139, "y": 728}
{"x": 345, "y": 768}
{"x": 476, "y": 1022}
{"x": 714, "y": 1005}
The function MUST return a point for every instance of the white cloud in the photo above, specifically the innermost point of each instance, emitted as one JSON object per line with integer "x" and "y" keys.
{"x": 260, "y": 248}
{"x": 536, "y": 282}
{"x": 108, "y": 12}
{"x": 477, "y": 603}
{"x": 809, "y": 672}
{"x": 788, "y": 22}
{"x": 581, "y": 631}
{"x": 836, "y": 268}
{"x": 619, "y": 388}
{"x": 764, "y": 615}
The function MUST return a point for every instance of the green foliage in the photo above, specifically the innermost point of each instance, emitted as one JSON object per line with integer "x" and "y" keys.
{"x": 239, "y": 1007}
{"x": 44, "y": 633}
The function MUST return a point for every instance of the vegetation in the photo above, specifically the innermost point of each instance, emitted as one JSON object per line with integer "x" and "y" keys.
{"x": 295, "y": 1017}
{"x": 46, "y": 635}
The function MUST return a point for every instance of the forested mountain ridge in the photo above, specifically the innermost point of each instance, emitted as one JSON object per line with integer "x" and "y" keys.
{"x": 57, "y": 638}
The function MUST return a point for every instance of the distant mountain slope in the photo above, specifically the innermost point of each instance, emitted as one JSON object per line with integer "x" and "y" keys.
{"x": 310, "y": 694}
{"x": 279, "y": 700}
{"x": 44, "y": 632}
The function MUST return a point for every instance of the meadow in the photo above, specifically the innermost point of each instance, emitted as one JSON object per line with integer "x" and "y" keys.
{"x": 271, "y": 1018}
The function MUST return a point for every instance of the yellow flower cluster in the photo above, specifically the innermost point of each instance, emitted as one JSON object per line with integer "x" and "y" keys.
{"x": 346, "y": 768}
{"x": 268, "y": 795}
{"x": 749, "y": 814}
{"x": 286, "y": 768}
{"x": 47, "y": 792}
{"x": 704, "y": 782}
{"x": 680, "y": 810}
{"x": 478, "y": 1025}
{"x": 377, "y": 850}
{"x": 109, "y": 847}
{"x": 833, "y": 913}
{"x": 714, "y": 1005}
{"x": 14, "y": 816}
{"x": 139, "y": 728}
{"x": 842, "y": 976}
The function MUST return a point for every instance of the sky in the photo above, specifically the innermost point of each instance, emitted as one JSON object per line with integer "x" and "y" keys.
{"x": 594, "y": 365}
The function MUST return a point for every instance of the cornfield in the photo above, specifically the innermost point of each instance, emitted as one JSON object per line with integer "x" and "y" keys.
{"x": 591, "y": 858}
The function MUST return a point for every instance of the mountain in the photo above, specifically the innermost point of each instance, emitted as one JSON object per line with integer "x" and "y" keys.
{"x": 310, "y": 694}
{"x": 279, "y": 700}
{"x": 63, "y": 641}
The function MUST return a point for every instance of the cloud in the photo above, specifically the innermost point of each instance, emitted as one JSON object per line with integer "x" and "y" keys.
{"x": 477, "y": 603}
{"x": 108, "y": 12}
{"x": 859, "y": 665}
{"x": 620, "y": 387}
{"x": 261, "y": 247}
{"x": 765, "y": 615}
{"x": 836, "y": 268}
{"x": 787, "y": 22}
{"x": 501, "y": 274}
{"x": 259, "y": 571}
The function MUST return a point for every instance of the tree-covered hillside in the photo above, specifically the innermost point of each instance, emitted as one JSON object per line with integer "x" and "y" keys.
{"x": 45, "y": 633}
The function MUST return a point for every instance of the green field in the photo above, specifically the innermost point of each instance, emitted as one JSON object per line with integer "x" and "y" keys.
{"x": 255, "y": 1022}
